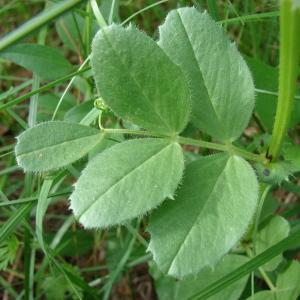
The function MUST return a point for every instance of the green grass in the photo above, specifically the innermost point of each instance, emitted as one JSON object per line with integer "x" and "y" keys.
{"x": 56, "y": 258}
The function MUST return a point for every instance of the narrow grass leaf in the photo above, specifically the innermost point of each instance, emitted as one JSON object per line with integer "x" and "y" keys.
{"x": 42, "y": 206}
{"x": 43, "y": 88}
{"x": 37, "y": 22}
{"x": 14, "y": 221}
{"x": 248, "y": 267}
{"x": 44, "y": 61}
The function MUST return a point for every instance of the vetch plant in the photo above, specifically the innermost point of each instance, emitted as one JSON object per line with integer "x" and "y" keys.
{"x": 199, "y": 210}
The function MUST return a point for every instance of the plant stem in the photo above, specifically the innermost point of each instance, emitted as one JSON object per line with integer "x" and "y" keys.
{"x": 133, "y": 132}
{"x": 68, "y": 87}
{"x": 249, "y": 155}
{"x": 288, "y": 66}
{"x": 265, "y": 276}
{"x": 204, "y": 144}
{"x": 265, "y": 190}
{"x": 142, "y": 10}
{"x": 37, "y": 22}
{"x": 251, "y": 233}
{"x": 189, "y": 141}
{"x": 43, "y": 88}
{"x": 267, "y": 279}
{"x": 99, "y": 17}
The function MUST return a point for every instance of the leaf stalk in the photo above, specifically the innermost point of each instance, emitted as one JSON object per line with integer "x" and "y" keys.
{"x": 193, "y": 142}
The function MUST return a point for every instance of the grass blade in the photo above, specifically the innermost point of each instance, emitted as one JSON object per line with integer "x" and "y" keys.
{"x": 10, "y": 225}
{"x": 43, "y": 88}
{"x": 37, "y": 22}
{"x": 250, "y": 266}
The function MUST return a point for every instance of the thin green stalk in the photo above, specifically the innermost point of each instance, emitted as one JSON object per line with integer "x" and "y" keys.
{"x": 135, "y": 232}
{"x": 32, "y": 199}
{"x": 265, "y": 190}
{"x": 297, "y": 97}
{"x": 288, "y": 69}
{"x": 99, "y": 17}
{"x": 264, "y": 275}
{"x": 267, "y": 279}
{"x": 68, "y": 87}
{"x": 252, "y": 231}
{"x": 19, "y": 120}
{"x": 32, "y": 272}
{"x": 213, "y": 9}
{"x": 37, "y": 22}
{"x": 132, "y": 132}
{"x": 250, "y": 18}
{"x": 114, "y": 275}
{"x": 29, "y": 185}
{"x": 189, "y": 141}
{"x": 249, "y": 155}
{"x": 33, "y": 106}
{"x": 27, "y": 259}
{"x": 43, "y": 203}
{"x": 14, "y": 221}
{"x": 87, "y": 29}
{"x": 7, "y": 153}
{"x": 204, "y": 144}
{"x": 8, "y": 288}
{"x": 14, "y": 90}
{"x": 43, "y": 88}
{"x": 9, "y": 170}
{"x": 111, "y": 13}
{"x": 142, "y": 10}
{"x": 81, "y": 47}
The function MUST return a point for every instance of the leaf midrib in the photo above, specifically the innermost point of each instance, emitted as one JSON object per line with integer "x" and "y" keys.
{"x": 56, "y": 145}
{"x": 197, "y": 218}
{"x": 99, "y": 196}
{"x": 137, "y": 83}
{"x": 199, "y": 69}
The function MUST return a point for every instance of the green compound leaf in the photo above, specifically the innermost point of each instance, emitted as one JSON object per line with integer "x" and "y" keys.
{"x": 45, "y": 61}
{"x": 138, "y": 81}
{"x": 126, "y": 181}
{"x": 275, "y": 230}
{"x": 221, "y": 85}
{"x": 169, "y": 288}
{"x": 52, "y": 145}
{"x": 210, "y": 214}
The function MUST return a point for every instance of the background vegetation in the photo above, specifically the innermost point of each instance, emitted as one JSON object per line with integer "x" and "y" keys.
{"x": 108, "y": 263}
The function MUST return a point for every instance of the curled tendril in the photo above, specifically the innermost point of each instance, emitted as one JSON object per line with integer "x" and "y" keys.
{"x": 99, "y": 104}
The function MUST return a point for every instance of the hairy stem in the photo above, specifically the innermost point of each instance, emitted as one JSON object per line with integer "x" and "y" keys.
{"x": 289, "y": 58}
{"x": 189, "y": 141}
